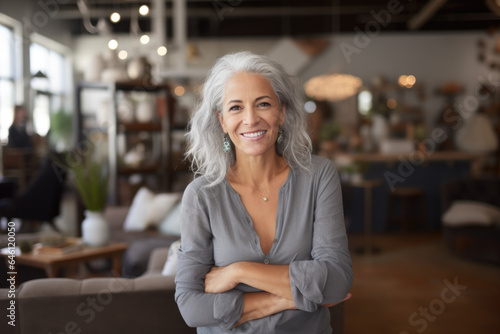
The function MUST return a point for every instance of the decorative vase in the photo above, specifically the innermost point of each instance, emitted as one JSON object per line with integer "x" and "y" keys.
{"x": 95, "y": 229}
{"x": 139, "y": 68}
{"x": 145, "y": 110}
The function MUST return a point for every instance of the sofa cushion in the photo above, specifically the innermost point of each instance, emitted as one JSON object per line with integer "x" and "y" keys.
{"x": 170, "y": 268}
{"x": 468, "y": 213}
{"x": 160, "y": 206}
{"x": 147, "y": 209}
{"x": 171, "y": 224}
{"x": 136, "y": 219}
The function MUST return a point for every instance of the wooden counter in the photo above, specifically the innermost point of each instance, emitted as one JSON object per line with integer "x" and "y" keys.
{"x": 427, "y": 171}
{"x": 418, "y": 158}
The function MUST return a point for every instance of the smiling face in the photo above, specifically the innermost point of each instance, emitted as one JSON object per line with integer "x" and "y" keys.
{"x": 251, "y": 114}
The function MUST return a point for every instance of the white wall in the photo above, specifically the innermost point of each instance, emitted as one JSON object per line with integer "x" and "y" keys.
{"x": 434, "y": 58}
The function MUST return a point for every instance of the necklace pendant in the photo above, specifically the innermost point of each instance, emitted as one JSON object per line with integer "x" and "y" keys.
{"x": 265, "y": 199}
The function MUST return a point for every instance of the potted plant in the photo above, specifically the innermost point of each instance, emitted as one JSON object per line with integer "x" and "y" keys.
{"x": 90, "y": 173}
{"x": 60, "y": 130}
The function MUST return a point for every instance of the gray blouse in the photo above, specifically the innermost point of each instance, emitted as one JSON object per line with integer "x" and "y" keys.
{"x": 310, "y": 236}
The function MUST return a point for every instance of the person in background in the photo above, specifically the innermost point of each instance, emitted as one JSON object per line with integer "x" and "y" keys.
{"x": 263, "y": 240}
{"x": 18, "y": 137}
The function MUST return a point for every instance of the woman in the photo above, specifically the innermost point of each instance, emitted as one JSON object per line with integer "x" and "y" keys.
{"x": 18, "y": 137}
{"x": 263, "y": 246}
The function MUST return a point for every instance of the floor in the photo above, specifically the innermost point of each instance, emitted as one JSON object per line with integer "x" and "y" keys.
{"x": 414, "y": 285}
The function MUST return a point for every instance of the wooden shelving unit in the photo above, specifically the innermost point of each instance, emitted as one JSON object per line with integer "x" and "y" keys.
{"x": 97, "y": 112}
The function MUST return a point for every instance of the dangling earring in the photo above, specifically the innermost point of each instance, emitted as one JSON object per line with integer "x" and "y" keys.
{"x": 226, "y": 145}
{"x": 280, "y": 135}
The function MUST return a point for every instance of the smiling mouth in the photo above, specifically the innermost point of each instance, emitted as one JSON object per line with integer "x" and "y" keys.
{"x": 253, "y": 134}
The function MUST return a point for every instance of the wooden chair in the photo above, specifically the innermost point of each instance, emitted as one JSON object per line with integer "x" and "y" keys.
{"x": 412, "y": 208}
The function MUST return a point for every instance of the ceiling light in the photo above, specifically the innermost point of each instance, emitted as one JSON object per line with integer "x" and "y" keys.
{"x": 113, "y": 44}
{"x": 123, "y": 54}
{"x": 332, "y": 87}
{"x": 144, "y": 39}
{"x": 144, "y": 10}
{"x": 162, "y": 50}
{"x": 115, "y": 17}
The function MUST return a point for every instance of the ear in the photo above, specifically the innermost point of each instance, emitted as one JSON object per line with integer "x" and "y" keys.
{"x": 221, "y": 120}
{"x": 282, "y": 114}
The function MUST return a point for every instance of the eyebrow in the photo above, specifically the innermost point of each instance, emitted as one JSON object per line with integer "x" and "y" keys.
{"x": 257, "y": 99}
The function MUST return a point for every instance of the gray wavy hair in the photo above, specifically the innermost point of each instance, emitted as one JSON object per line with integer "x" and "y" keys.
{"x": 205, "y": 135}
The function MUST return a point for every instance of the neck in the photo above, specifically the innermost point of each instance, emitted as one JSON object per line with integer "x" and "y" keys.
{"x": 257, "y": 171}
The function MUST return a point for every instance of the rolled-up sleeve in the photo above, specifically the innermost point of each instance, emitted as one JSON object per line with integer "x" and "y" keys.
{"x": 327, "y": 277}
{"x": 195, "y": 258}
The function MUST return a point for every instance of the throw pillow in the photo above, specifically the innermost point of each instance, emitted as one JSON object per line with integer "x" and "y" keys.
{"x": 172, "y": 222}
{"x": 170, "y": 267}
{"x": 138, "y": 212}
{"x": 160, "y": 207}
{"x": 467, "y": 213}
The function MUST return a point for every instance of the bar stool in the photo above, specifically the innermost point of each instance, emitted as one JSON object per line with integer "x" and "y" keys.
{"x": 410, "y": 200}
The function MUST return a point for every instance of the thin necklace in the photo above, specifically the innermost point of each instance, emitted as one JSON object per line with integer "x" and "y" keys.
{"x": 264, "y": 197}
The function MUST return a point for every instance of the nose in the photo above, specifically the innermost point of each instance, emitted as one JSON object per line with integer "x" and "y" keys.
{"x": 251, "y": 117}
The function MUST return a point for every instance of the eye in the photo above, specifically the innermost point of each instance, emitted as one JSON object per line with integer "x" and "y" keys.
{"x": 236, "y": 107}
{"x": 264, "y": 104}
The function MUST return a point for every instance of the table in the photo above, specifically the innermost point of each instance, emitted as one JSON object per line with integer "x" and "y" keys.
{"x": 52, "y": 263}
{"x": 367, "y": 186}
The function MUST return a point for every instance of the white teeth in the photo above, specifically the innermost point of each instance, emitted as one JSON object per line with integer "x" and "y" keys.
{"x": 254, "y": 134}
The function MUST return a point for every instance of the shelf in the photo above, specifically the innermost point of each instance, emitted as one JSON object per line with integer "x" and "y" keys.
{"x": 140, "y": 85}
{"x": 131, "y": 127}
{"x": 139, "y": 170}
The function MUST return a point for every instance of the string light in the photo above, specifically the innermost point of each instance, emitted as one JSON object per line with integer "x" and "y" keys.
{"x": 391, "y": 103}
{"x": 162, "y": 50}
{"x": 144, "y": 39}
{"x": 123, "y": 54}
{"x": 144, "y": 10}
{"x": 115, "y": 17}
{"x": 179, "y": 90}
{"x": 407, "y": 81}
{"x": 113, "y": 44}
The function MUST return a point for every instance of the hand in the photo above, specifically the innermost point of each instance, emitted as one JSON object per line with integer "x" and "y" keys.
{"x": 220, "y": 279}
{"x": 349, "y": 295}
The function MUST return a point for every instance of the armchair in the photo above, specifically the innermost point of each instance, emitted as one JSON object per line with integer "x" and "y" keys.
{"x": 41, "y": 200}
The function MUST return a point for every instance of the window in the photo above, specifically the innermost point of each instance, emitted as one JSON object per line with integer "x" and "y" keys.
{"x": 7, "y": 80}
{"x": 52, "y": 89}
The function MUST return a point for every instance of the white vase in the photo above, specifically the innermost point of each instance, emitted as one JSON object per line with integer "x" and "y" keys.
{"x": 95, "y": 229}
{"x": 145, "y": 110}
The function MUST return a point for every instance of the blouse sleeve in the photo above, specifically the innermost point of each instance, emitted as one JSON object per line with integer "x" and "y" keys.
{"x": 327, "y": 277}
{"x": 195, "y": 259}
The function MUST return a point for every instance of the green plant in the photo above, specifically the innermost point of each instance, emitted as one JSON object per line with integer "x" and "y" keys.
{"x": 61, "y": 124}
{"x": 90, "y": 173}
{"x": 91, "y": 180}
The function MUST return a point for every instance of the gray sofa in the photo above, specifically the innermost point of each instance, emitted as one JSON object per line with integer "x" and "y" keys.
{"x": 105, "y": 305}
{"x": 97, "y": 305}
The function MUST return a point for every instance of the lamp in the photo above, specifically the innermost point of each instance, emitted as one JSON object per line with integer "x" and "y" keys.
{"x": 332, "y": 87}
{"x": 335, "y": 86}
{"x": 40, "y": 75}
